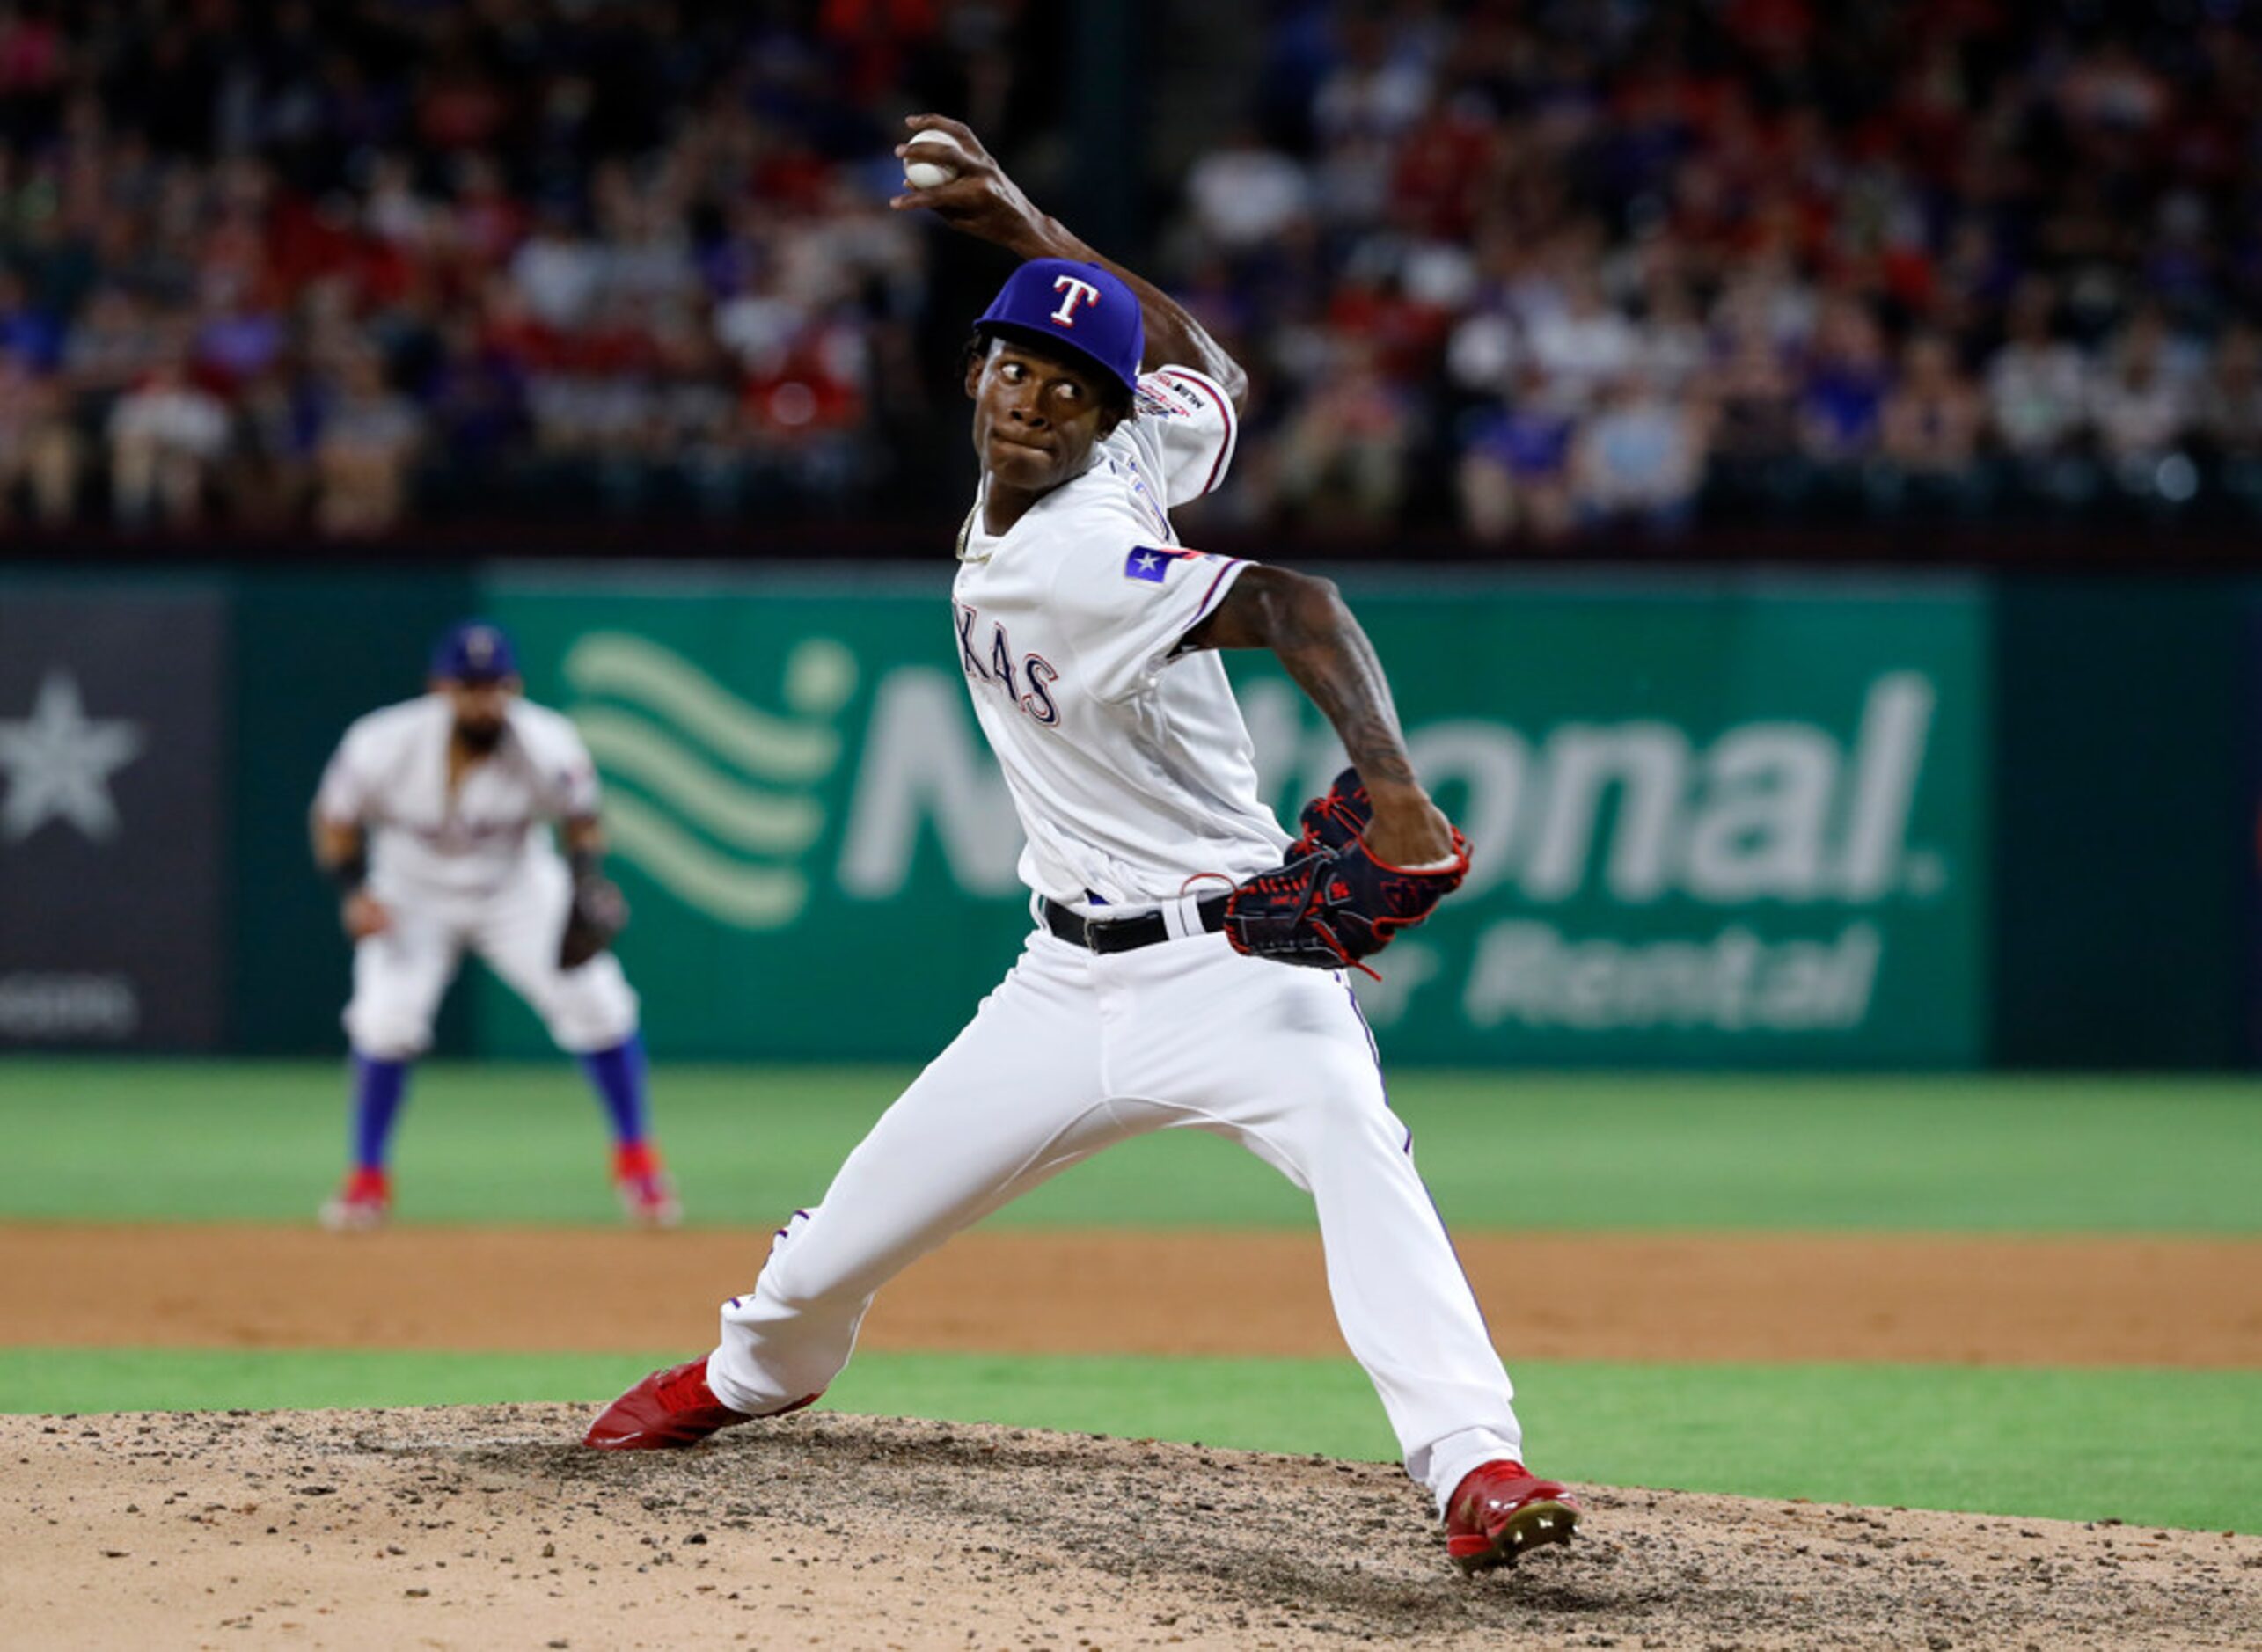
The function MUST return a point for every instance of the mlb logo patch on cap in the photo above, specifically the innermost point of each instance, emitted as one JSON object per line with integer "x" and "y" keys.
{"x": 1153, "y": 562}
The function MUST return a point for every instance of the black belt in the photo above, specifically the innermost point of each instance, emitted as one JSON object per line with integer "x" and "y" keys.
{"x": 1125, "y": 934}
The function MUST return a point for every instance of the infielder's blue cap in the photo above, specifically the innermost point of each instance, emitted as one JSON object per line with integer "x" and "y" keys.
{"x": 1058, "y": 303}
{"x": 474, "y": 652}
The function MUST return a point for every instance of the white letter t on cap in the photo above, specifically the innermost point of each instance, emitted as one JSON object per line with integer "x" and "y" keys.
{"x": 1078, "y": 293}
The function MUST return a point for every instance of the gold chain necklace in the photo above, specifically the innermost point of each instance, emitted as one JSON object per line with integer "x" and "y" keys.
{"x": 966, "y": 534}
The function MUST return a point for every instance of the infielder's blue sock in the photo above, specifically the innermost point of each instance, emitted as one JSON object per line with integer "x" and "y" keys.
{"x": 378, "y": 1087}
{"x": 618, "y": 1076}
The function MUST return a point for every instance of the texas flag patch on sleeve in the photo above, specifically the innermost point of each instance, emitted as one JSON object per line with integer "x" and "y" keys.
{"x": 1152, "y": 563}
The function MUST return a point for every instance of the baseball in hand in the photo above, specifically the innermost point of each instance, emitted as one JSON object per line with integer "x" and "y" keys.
{"x": 940, "y": 169}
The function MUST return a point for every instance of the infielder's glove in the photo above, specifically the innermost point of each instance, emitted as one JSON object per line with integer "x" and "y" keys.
{"x": 599, "y": 912}
{"x": 1331, "y": 903}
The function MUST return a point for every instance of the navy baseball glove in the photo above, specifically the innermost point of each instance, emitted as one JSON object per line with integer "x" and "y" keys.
{"x": 599, "y": 912}
{"x": 1331, "y": 903}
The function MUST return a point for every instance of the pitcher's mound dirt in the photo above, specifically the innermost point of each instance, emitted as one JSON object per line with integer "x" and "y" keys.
{"x": 470, "y": 1527}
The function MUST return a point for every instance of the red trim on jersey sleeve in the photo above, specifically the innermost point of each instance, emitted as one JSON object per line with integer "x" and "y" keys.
{"x": 1188, "y": 376}
{"x": 1210, "y": 596}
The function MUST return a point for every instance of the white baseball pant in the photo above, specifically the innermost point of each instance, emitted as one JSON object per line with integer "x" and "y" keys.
{"x": 400, "y": 975}
{"x": 1075, "y": 1051}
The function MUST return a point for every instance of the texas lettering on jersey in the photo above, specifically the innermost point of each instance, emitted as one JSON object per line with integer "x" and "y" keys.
{"x": 1025, "y": 686}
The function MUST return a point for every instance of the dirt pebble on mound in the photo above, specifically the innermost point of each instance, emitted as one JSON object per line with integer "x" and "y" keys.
{"x": 470, "y": 1526}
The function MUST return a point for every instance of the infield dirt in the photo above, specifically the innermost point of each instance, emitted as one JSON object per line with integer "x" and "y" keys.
{"x": 481, "y": 1527}
{"x": 2190, "y": 1303}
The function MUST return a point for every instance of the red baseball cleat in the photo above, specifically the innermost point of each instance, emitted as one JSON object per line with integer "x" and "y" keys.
{"x": 362, "y": 1202}
{"x": 669, "y": 1410}
{"x": 648, "y": 1193}
{"x": 1500, "y": 1509}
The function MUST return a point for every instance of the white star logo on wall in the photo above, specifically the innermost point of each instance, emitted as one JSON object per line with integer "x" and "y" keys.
{"x": 58, "y": 762}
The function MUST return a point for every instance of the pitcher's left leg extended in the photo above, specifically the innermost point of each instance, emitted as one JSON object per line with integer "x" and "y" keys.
{"x": 1015, "y": 1099}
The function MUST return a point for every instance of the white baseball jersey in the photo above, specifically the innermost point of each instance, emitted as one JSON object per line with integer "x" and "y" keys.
{"x": 390, "y": 774}
{"x": 1132, "y": 773}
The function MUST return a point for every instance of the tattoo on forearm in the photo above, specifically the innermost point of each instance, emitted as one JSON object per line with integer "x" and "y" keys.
{"x": 1332, "y": 661}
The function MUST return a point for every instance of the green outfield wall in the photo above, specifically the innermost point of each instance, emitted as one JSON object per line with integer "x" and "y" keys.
{"x": 2126, "y": 805}
{"x": 1718, "y": 820}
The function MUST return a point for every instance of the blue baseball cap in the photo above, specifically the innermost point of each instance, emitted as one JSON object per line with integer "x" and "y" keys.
{"x": 474, "y": 652}
{"x": 1058, "y": 303}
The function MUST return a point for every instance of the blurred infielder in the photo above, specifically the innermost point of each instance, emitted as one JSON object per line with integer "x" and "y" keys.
{"x": 1152, "y": 993}
{"x": 432, "y": 819}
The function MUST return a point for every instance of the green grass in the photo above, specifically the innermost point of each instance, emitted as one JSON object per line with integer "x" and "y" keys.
{"x": 2149, "y": 1447}
{"x": 99, "y": 1139}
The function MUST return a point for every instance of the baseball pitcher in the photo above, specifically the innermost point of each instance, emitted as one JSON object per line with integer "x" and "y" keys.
{"x": 1185, "y": 966}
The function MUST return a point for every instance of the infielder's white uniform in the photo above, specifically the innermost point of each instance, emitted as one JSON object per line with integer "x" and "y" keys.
{"x": 1134, "y": 779}
{"x": 472, "y": 868}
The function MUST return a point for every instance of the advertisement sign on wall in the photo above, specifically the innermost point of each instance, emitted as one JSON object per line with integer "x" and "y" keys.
{"x": 1727, "y": 825}
{"x": 112, "y": 777}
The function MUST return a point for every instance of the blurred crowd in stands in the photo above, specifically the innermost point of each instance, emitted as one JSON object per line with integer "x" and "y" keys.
{"x": 275, "y": 264}
{"x": 1512, "y": 268}
{"x": 1582, "y": 263}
